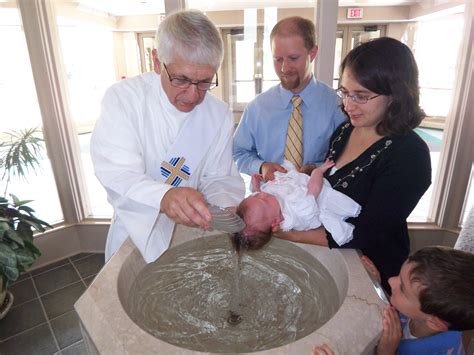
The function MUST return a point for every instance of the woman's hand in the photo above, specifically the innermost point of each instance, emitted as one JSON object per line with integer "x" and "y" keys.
{"x": 370, "y": 266}
{"x": 314, "y": 236}
{"x": 323, "y": 349}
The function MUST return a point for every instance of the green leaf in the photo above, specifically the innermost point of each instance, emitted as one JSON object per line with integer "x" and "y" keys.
{"x": 15, "y": 237}
{"x": 27, "y": 209}
{"x": 7, "y": 256}
{"x": 24, "y": 259}
{"x": 23, "y": 152}
{"x": 36, "y": 223}
{"x": 11, "y": 272}
{"x": 17, "y": 251}
{"x": 4, "y": 226}
{"x": 32, "y": 248}
{"x": 22, "y": 203}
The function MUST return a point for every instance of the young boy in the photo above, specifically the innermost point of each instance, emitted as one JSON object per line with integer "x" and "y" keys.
{"x": 432, "y": 302}
{"x": 294, "y": 200}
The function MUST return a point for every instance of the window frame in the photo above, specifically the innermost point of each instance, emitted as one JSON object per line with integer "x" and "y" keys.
{"x": 40, "y": 31}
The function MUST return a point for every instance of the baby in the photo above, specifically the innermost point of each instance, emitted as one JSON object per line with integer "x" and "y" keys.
{"x": 294, "y": 200}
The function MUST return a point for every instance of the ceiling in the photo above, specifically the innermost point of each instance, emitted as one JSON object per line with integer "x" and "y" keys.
{"x": 143, "y": 7}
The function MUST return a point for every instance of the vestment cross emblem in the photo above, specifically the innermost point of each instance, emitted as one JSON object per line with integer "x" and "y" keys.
{"x": 175, "y": 171}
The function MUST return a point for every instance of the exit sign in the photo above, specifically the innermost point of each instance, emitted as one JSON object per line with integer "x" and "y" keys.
{"x": 355, "y": 12}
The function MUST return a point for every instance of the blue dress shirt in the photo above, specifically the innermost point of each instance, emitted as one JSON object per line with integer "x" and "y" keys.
{"x": 261, "y": 134}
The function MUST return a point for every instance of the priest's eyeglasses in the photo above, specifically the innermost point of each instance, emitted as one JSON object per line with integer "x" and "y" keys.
{"x": 358, "y": 99}
{"x": 184, "y": 83}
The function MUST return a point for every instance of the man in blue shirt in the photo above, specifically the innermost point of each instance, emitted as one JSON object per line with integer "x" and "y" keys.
{"x": 259, "y": 141}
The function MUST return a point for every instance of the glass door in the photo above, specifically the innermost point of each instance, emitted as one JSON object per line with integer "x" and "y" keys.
{"x": 249, "y": 69}
{"x": 348, "y": 37}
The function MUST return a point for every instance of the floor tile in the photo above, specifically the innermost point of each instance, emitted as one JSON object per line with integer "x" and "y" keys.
{"x": 25, "y": 331}
{"x": 33, "y": 342}
{"x": 50, "y": 267}
{"x": 24, "y": 276}
{"x": 76, "y": 349}
{"x": 88, "y": 280}
{"x": 23, "y": 291}
{"x": 79, "y": 256}
{"x": 62, "y": 301}
{"x": 21, "y": 318}
{"x": 66, "y": 329}
{"x": 55, "y": 279}
{"x": 90, "y": 265}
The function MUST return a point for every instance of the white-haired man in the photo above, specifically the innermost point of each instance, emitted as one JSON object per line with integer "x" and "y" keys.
{"x": 162, "y": 147}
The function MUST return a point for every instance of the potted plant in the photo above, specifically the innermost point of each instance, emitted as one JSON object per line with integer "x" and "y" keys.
{"x": 17, "y": 220}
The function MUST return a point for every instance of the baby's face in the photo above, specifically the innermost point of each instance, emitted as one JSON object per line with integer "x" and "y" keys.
{"x": 264, "y": 210}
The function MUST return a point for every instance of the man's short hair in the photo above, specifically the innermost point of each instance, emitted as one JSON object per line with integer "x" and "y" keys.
{"x": 296, "y": 26}
{"x": 191, "y": 36}
{"x": 446, "y": 277}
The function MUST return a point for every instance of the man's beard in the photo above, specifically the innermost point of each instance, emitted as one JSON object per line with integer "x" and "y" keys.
{"x": 290, "y": 82}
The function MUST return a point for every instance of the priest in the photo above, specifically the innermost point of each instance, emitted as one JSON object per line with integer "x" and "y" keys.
{"x": 162, "y": 146}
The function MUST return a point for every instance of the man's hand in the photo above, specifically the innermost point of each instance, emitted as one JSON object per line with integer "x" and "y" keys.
{"x": 186, "y": 206}
{"x": 391, "y": 333}
{"x": 268, "y": 169}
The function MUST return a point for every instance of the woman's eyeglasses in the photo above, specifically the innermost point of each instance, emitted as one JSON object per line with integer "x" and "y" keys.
{"x": 358, "y": 99}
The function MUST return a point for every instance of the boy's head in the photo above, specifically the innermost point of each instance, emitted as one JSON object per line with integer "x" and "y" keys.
{"x": 435, "y": 285}
{"x": 262, "y": 215}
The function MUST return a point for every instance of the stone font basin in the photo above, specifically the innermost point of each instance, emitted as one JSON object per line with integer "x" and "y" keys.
{"x": 111, "y": 325}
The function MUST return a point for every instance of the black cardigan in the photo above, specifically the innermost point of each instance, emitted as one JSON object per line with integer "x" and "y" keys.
{"x": 387, "y": 180}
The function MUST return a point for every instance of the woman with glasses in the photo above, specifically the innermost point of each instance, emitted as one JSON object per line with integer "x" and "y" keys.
{"x": 380, "y": 162}
{"x": 162, "y": 147}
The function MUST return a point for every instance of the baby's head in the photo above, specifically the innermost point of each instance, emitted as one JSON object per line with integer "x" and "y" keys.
{"x": 262, "y": 216}
{"x": 435, "y": 286}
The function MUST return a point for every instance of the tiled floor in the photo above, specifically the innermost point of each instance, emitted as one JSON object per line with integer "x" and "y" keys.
{"x": 42, "y": 319}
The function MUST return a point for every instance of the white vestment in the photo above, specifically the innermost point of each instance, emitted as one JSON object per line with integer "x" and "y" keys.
{"x": 132, "y": 137}
{"x": 303, "y": 212}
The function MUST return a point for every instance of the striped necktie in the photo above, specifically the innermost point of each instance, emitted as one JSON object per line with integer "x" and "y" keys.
{"x": 294, "y": 139}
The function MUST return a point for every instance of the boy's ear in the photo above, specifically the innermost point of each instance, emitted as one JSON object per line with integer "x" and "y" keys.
{"x": 437, "y": 324}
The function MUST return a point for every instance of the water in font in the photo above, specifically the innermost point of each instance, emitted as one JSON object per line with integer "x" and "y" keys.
{"x": 203, "y": 296}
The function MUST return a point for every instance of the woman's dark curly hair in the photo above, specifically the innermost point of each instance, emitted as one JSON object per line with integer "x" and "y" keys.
{"x": 386, "y": 66}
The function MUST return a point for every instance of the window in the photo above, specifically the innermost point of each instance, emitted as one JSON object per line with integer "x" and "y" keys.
{"x": 437, "y": 75}
{"x": 118, "y": 56}
{"x": 19, "y": 110}
{"x": 469, "y": 201}
{"x": 88, "y": 56}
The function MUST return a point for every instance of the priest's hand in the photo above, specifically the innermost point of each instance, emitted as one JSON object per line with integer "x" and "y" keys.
{"x": 268, "y": 169}
{"x": 186, "y": 206}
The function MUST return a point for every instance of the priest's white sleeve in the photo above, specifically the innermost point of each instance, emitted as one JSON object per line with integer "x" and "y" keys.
{"x": 335, "y": 208}
{"x": 220, "y": 182}
{"x": 119, "y": 165}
